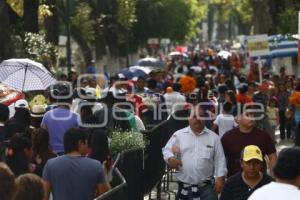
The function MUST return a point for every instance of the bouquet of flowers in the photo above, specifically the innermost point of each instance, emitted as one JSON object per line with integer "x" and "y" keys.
{"x": 124, "y": 141}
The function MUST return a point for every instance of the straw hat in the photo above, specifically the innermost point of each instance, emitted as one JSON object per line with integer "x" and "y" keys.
{"x": 38, "y": 110}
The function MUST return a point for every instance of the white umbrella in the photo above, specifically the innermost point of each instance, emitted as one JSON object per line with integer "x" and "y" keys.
{"x": 197, "y": 68}
{"x": 177, "y": 53}
{"x": 150, "y": 62}
{"x": 224, "y": 54}
{"x": 25, "y": 75}
{"x": 147, "y": 70}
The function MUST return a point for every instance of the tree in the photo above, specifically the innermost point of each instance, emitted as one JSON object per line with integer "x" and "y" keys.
{"x": 174, "y": 19}
{"x": 5, "y": 50}
{"x": 51, "y": 23}
{"x": 31, "y": 16}
{"x": 288, "y": 21}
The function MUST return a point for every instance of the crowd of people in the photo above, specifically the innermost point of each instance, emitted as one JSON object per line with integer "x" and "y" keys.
{"x": 62, "y": 144}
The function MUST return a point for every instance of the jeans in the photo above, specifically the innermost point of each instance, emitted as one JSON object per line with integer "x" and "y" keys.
{"x": 206, "y": 193}
{"x": 285, "y": 125}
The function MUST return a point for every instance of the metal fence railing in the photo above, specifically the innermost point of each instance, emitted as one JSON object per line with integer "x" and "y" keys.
{"x": 119, "y": 190}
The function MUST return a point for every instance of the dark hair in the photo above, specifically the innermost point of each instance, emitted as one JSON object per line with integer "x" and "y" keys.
{"x": 62, "y": 93}
{"x": 7, "y": 183}
{"x": 288, "y": 164}
{"x": 273, "y": 99}
{"x": 177, "y": 87}
{"x": 86, "y": 113}
{"x": 36, "y": 122}
{"x": 12, "y": 127}
{"x": 29, "y": 186}
{"x": 222, "y": 88}
{"x": 22, "y": 116}
{"x": 152, "y": 83}
{"x": 227, "y": 106}
{"x": 230, "y": 85}
{"x": 297, "y": 88}
{"x": 4, "y": 113}
{"x": 231, "y": 95}
{"x": 243, "y": 88}
{"x": 40, "y": 142}
{"x": 71, "y": 139}
{"x": 16, "y": 158}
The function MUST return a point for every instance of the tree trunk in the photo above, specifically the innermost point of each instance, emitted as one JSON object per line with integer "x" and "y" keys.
{"x": 52, "y": 24}
{"x": 5, "y": 44}
{"x": 107, "y": 36}
{"x": 261, "y": 17}
{"x": 31, "y": 16}
{"x": 244, "y": 29}
{"x": 84, "y": 47}
{"x": 76, "y": 35}
{"x": 276, "y": 7}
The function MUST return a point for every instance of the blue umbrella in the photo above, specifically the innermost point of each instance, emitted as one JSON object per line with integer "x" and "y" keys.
{"x": 138, "y": 73}
{"x": 126, "y": 73}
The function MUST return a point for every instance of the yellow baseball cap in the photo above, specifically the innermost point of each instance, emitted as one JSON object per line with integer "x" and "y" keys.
{"x": 251, "y": 152}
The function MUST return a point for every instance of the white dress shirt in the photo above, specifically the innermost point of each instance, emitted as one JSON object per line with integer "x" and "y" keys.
{"x": 202, "y": 155}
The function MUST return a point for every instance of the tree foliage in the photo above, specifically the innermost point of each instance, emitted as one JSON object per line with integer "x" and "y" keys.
{"x": 82, "y": 20}
{"x": 174, "y": 19}
{"x": 38, "y": 49}
{"x": 126, "y": 13}
{"x": 288, "y": 20}
{"x": 116, "y": 26}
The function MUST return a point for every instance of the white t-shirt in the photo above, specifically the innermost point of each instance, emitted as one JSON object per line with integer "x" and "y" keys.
{"x": 172, "y": 99}
{"x": 276, "y": 191}
{"x": 225, "y": 122}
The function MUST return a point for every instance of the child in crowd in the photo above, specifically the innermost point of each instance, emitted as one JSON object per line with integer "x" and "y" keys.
{"x": 224, "y": 121}
{"x": 273, "y": 116}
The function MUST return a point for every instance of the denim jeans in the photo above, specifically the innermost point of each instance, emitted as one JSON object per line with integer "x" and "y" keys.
{"x": 206, "y": 193}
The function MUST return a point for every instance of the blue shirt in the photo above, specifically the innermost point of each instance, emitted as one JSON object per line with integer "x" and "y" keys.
{"x": 73, "y": 178}
{"x": 57, "y": 122}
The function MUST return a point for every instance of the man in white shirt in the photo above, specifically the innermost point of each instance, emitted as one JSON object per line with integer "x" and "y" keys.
{"x": 198, "y": 155}
{"x": 287, "y": 173}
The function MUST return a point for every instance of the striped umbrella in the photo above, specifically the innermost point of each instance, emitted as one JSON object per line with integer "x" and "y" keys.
{"x": 25, "y": 75}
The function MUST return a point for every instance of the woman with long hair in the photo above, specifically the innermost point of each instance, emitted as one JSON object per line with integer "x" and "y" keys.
{"x": 230, "y": 97}
{"x": 41, "y": 149}
{"x": 19, "y": 155}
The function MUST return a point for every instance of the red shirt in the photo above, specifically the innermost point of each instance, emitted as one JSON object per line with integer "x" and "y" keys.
{"x": 234, "y": 141}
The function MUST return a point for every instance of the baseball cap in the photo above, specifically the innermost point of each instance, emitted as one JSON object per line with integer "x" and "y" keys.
{"x": 21, "y": 103}
{"x": 251, "y": 152}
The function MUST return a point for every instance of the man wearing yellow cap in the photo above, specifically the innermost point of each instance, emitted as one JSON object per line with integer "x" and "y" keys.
{"x": 241, "y": 185}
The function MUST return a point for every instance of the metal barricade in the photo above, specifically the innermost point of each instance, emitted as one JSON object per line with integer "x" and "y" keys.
{"x": 118, "y": 192}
